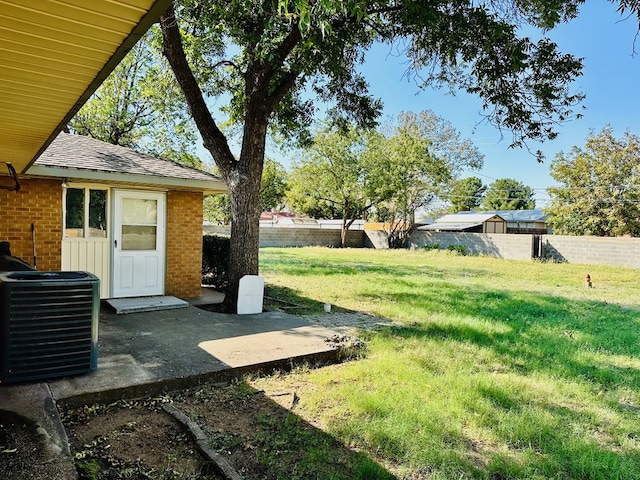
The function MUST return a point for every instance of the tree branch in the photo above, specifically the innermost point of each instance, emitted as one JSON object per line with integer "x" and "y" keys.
{"x": 285, "y": 49}
{"x": 375, "y": 11}
{"x": 328, "y": 200}
{"x": 284, "y": 87}
{"x": 173, "y": 50}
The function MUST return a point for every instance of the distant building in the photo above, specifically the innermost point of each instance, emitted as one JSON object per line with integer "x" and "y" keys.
{"x": 294, "y": 220}
{"x": 286, "y": 219}
{"x": 472, "y": 222}
{"x": 522, "y": 221}
{"x": 515, "y": 221}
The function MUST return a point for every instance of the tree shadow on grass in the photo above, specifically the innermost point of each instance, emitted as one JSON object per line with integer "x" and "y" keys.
{"x": 590, "y": 343}
{"x": 555, "y": 335}
{"x": 535, "y": 336}
{"x": 290, "y": 263}
{"x": 290, "y": 301}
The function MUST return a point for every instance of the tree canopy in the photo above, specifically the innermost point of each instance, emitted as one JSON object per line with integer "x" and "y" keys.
{"x": 217, "y": 209}
{"x": 466, "y": 194}
{"x": 273, "y": 186}
{"x": 416, "y": 159}
{"x": 273, "y": 60}
{"x": 385, "y": 175}
{"x": 273, "y": 189}
{"x": 599, "y": 187}
{"x": 334, "y": 179}
{"x": 508, "y": 194}
{"x": 140, "y": 106}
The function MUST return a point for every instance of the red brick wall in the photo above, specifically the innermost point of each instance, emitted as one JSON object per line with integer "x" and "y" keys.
{"x": 184, "y": 244}
{"x": 38, "y": 202}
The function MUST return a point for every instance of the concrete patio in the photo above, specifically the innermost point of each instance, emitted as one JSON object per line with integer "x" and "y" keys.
{"x": 150, "y": 352}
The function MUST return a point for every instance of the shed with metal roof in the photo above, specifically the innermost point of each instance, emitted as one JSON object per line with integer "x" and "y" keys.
{"x": 533, "y": 221}
{"x": 473, "y": 223}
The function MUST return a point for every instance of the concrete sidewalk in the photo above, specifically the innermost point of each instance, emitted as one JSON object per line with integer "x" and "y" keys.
{"x": 147, "y": 353}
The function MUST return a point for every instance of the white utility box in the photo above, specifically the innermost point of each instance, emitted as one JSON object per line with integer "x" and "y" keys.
{"x": 250, "y": 294}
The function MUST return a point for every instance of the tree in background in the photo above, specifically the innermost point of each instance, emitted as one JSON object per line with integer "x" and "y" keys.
{"x": 466, "y": 194}
{"x": 416, "y": 159}
{"x": 140, "y": 106}
{"x": 334, "y": 178}
{"x": 273, "y": 187}
{"x": 217, "y": 209}
{"x": 599, "y": 191}
{"x": 508, "y": 194}
{"x": 387, "y": 176}
{"x": 265, "y": 57}
{"x": 122, "y": 108}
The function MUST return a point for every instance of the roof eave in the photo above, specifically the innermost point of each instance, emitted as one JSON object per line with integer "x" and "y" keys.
{"x": 450, "y": 226}
{"x": 158, "y": 8}
{"x": 208, "y": 187}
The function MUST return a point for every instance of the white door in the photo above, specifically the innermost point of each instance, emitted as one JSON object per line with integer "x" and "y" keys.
{"x": 139, "y": 243}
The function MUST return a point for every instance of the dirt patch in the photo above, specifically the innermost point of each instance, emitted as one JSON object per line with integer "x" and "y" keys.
{"x": 21, "y": 449}
{"x": 261, "y": 438}
{"x": 133, "y": 440}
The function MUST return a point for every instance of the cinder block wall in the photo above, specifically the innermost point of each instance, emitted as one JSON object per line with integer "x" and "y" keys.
{"x": 376, "y": 239}
{"x": 38, "y": 202}
{"x": 305, "y": 237}
{"x": 512, "y": 247}
{"x": 184, "y": 244}
{"x": 624, "y": 252}
{"x": 297, "y": 237}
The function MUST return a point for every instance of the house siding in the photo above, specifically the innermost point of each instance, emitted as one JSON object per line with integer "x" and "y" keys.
{"x": 38, "y": 202}
{"x": 184, "y": 244}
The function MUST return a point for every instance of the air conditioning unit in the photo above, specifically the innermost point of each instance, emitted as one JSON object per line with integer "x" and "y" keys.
{"x": 48, "y": 324}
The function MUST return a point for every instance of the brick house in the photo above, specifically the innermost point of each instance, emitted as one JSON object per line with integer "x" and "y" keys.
{"x": 132, "y": 219}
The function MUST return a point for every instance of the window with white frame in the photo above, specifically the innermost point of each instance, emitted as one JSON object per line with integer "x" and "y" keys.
{"x": 85, "y": 212}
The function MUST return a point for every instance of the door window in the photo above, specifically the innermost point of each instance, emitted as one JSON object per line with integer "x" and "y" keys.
{"x": 85, "y": 213}
{"x": 139, "y": 224}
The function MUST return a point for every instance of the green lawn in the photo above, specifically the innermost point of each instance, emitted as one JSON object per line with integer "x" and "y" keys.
{"x": 500, "y": 370}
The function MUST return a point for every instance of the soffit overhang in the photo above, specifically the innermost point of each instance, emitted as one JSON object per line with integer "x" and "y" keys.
{"x": 53, "y": 55}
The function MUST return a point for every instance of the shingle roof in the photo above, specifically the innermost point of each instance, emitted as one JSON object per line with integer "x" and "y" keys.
{"x": 85, "y": 153}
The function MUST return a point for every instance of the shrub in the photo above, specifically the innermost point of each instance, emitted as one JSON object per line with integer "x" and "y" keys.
{"x": 215, "y": 261}
{"x": 431, "y": 246}
{"x": 459, "y": 249}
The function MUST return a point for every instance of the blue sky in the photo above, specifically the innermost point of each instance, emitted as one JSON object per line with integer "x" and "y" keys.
{"x": 611, "y": 81}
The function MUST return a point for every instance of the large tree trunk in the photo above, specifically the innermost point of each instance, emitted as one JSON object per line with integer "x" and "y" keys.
{"x": 242, "y": 175}
{"x": 244, "y": 193}
{"x": 243, "y": 258}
